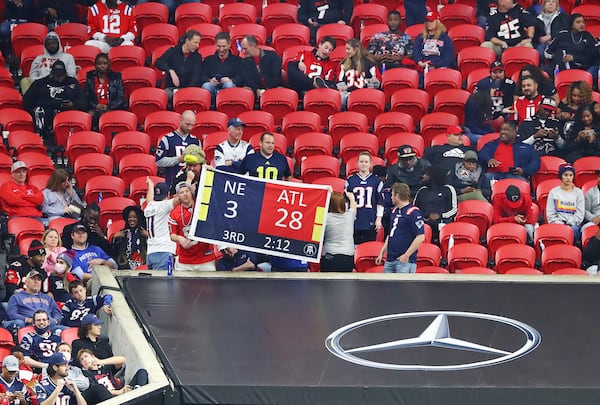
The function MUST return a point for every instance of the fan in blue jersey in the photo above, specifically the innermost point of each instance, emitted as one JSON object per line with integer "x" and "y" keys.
{"x": 9, "y": 378}
{"x": 40, "y": 344}
{"x": 169, "y": 154}
{"x": 268, "y": 163}
{"x": 366, "y": 187}
{"x": 80, "y": 305}
{"x": 230, "y": 153}
{"x": 406, "y": 234}
{"x": 57, "y": 388}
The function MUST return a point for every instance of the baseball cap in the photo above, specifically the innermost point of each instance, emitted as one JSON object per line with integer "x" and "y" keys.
{"x": 182, "y": 184}
{"x": 19, "y": 164}
{"x": 470, "y": 156}
{"x": 161, "y": 190}
{"x": 513, "y": 194}
{"x": 91, "y": 319}
{"x": 35, "y": 273}
{"x": 79, "y": 227}
{"x": 36, "y": 248}
{"x": 236, "y": 122}
{"x": 59, "y": 68}
{"x": 548, "y": 104}
{"x": 57, "y": 359}
{"x": 432, "y": 15}
{"x": 455, "y": 130}
{"x": 496, "y": 65}
{"x": 406, "y": 151}
{"x": 11, "y": 363}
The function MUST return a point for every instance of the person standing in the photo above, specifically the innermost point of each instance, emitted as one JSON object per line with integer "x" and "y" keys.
{"x": 406, "y": 234}
{"x": 366, "y": 187}
{"x": 338, "y": 243}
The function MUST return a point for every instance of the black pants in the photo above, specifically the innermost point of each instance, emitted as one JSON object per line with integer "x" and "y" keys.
{"x": 339, "y": 263}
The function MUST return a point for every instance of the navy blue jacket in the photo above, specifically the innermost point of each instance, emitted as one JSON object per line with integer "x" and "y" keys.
{"x": 524, "y": 156}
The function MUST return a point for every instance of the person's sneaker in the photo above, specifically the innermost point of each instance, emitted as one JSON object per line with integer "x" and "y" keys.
{"x": 320, "y": 83}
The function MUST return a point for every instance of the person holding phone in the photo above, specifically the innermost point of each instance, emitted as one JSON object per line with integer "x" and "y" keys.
{"x": 221, "y": 70}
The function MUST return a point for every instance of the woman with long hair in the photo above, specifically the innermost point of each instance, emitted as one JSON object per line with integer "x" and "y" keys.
{"x": 478, "y": 115}
{"x": 584, "y": 137}
{"x": 578, "y": 94}
{"x": 433, "y": 48}
{"x": 548, "y": 23}
{"x": 358, "y": 70}
{"x": 53, "y": 245}
{"x": 60, "y": 199}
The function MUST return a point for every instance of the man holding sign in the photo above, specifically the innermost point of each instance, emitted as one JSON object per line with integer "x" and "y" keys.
{"x": 268, "y": 163}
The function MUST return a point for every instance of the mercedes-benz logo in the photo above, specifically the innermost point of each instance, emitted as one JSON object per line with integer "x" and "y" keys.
{"x": 437, "y": 334}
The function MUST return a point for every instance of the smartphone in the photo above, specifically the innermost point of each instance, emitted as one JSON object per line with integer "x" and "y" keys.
{"x": 512, "y": 169}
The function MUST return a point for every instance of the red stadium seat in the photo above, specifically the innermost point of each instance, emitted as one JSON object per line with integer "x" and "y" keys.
{"x": 452, "y": 15}
{"x": 69, "y": 335}
{"x": 428, "y": 255}
{"x": 564, "y": 78}
{"x": 235, "y": 101}
{"x": 279, "y": 101}
{"x": 138, "y": 187}
{"x": 442, "y": 78}
{"x": 137, "y": 165}
{"x": 414, "y": 30}
{"x": 277, "y": 14}
{"x": 72, "y": 34}
{"x": 552, "y": 234}
{"x": 370, "y": 102}
{"x": 147, "y": 14}
{"x": 479, "y": 213}
{"x": 515, "y": 58}
{"x": 485, "y": 139}
{"x": 343, "y": 123}
{"x": 10, "y": 98}
{"x": 366, "y": 14}
{"x": 128, "y": 142}
{"x": 112, "y": 208}
{"x": 340, "y": 32}
{"x": 451, "y": 101}
{"x": 324, "y": 102}
{"x": 290, "y": 53}
{"x": 60, "y": 223}
{"x": 473, "y": 58}
{"x": 159, "y": 123}
{"x": 14, "y": 119}
{"x": 414, "y": 102}
{"x": 22, "y": 228}
{"x": 122, "y": 57}
{"x": 84, "y": 55}
{"x": 314, "y": 167}
{"x": 27, "y": 57}
{"x": 257, "y": 122}
{"x": 114, "y": 122}
{"x": 25, "y": 141}
{"x": 461, "y": 232}
{"x": 524, "y": 271}
{"x": 351, "y": 145}
{"x": 158, "y": 34}
{"x": 113, "y": 228}
{"x": 5, "y": 167}
{"x": 6, "y": 79}
{"x": 109, "y": 186}
{"x": 37, "y": 163}
{"x": 209, "y": 31}
{"x": 465, "y": 36}
{"x": 147, "y": 100}
{"x": 136, "y": 77}
{"x": 191, "y": 98}
{"x": 548, "y": 170}
{"x": 390, "y": 123}
{"x": 505, "y": 233}
{"x": 394, "y": 141}
{"x": 69, "y": 122}
{"x": 570, "y": 271}
{"x": 210, "y": 121}
{"x": 465, "y": 255}
{"x": 365, "y": 255}
{"x": 83, "y": 142}
{"x": 281, "y": 144}
{"x": 211, "y": 141}
{"x": 338, "y": 185}
{"x": 558, "y": 257}
{"x": 288, "y": 35}
{"x": 585, "y": 169}
{"x": 475, "y": 76}
{"x": 476, "y": 270}
{"x": 27, "y": 34}
{"x": 512, "y": 256}
{"x": 232, "y": 14}
{"x": 241, "y": 30}
{"x": 91, "y": 165}
{"x": 189, "y": 14}
{"x": 398, "y": 78}
{"x": 299, "y": 122}
{"x": 436, "y": 123}
{"x": 588, "y": 233}
{"x": 541, "y": 193}
{"x": 431, "y": 270}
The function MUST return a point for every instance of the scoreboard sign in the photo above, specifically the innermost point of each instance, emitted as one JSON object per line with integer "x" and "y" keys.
{"x": 264, "y": 216}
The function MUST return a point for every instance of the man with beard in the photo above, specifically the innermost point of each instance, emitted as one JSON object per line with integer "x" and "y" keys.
{"x": 502, "y": 89}
{"x": 91, "y": 216}
{"x": 221, "y": 70}
{"x": 509, "y": 26}
{"x": 54, "y": 93}
{"x": 542, "y": 130}
{"x": 389, "y": 48}
{"x": 313, "y": 69}
{"x": 57, "y": 388}
{"x": 448, "y": 155}
{"x": 525, "y": 106}
{"x": 507, "y": 158}
{"x": 111, "y": 23}
{"x": 409, "y": 169}
{"x": 41, "y": 343}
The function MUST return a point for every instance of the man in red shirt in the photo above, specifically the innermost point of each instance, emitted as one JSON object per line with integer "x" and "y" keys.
{"x": 18, "y": 198}
{"x": 191, "y": 254}
{"x": 526, "y": 106}
{"x": 111, "y": 23}
{"x": 514, "y": 207}
{"x": 313, "y": 69}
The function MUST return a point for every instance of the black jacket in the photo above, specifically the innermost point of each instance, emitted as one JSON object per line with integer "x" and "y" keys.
{"x": 230, "y": 67}
{"x": 49, "y": 93}
{"x": 116, "y": 91}
{"x": 338, "y": 10}
{"x": 188, "y": 69}
{"x": 581, "y": 45}
{"x": 270, "y": 71}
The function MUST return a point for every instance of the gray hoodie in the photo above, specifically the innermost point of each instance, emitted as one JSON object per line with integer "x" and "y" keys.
{"x": 42, "y": 64}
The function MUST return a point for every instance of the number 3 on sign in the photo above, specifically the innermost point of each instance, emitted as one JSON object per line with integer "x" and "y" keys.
{"x": 231, "y": 209}
{"x": 295, "y": 221}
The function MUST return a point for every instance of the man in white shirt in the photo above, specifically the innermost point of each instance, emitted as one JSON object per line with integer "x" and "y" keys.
{"x": 157, "y": 210}
{"x": 230, "y": 153}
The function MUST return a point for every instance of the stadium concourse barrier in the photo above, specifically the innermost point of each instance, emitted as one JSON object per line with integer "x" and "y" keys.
{"x": 129, "y": 341}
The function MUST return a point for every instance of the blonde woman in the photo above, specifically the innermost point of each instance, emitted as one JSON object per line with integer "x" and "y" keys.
{"x": 53, "y": 245}
{"x": 358, "y": 70}
{"x": 433, "y": 48}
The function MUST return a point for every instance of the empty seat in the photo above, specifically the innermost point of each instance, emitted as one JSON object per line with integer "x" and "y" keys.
{"x": 414, "y": 102}
{"x": 109, "y": 186}
{"x": 144, "y": 101}
{"x": 234, "y": 101}
{"x": 209, "y": 121}
{"x": 459, "y": 232}
{"x": 288, "y": 35}
{"x": 436, "y": 123}
{"x": 314, "y": 167}
{"x": 428, "y": 255}
{"x": 68, "y": 122}
{"x": 340, "y": 32}
{"x": 147, "y": 13}
{"x": 370, "y": 102}
{"x": 112, "y": 208}
{"x": 136, "y": 165}
{"x": 158, "y": 34}
{"x": 442, "y": 78}
{"x": 122, "y": 57}
{"x": 505, "y": 233}
{"x": 465, "y": 255}
{"x": 466, "y": 35}
{"x": 159, "y": 123}
{"x": 14, "y": 119}
{"x": 84, "y": 55}
{"x": 135, "y": 77}
{"x": 114, "y": 122}
{"x": 451, "y": 101}
{"x": 191, "y": 98}
{"x": 27, "y": 34}
{"x": 479, "y": 213}
{"x": 324, "y": 102}
{"x": 129, "y": 142}
{"x": 512, "y": 256}
{"x": 475, "y": 58}
{"x": 299, "y": 122}
{"x": 346, "y": 122}
{"x": 83, "y": 142}
{"x": 556, "y": 257}
{"x": 398, "y": 78}
{"x": 277, "y": 14}
{"x": 514, "y": 58}
{"x": 392, "y": 122}
{"x": 189, "y": 14}
{"x": 257, "y": 122}
{"x": 72, "y": 34}
{"x": 365, "y": 255}
{"x": 91, "y": 165}
{"x": 279, "y": 102}
{"x": 232, "y": 14}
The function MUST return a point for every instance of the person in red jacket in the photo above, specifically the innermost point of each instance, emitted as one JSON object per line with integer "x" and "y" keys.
{"x": 18, "y": 198}
{"x": 514, "y": 207}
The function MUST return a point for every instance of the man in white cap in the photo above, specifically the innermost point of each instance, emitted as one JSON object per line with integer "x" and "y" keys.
{"x": 15, "y": 388}
{"x": 230, "y": 153}
{"x": 19, "y": 198}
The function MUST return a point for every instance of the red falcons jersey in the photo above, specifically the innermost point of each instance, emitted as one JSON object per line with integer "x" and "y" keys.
{"x": 355, "y": 80}
{"x": 316, "y": 66}
{"x": 525, "y": 108}
{"x": 113, "y": 22}
{"x": 179, "y": 224}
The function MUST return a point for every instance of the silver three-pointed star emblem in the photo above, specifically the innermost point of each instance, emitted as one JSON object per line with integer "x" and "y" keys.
{"x": 437, "y": 334}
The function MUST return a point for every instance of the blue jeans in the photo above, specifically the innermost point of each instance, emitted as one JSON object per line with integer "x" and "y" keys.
{"x": 398, "y": 267}
{"x": 158, "y": 260}
{"x": 215, "y": 89}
